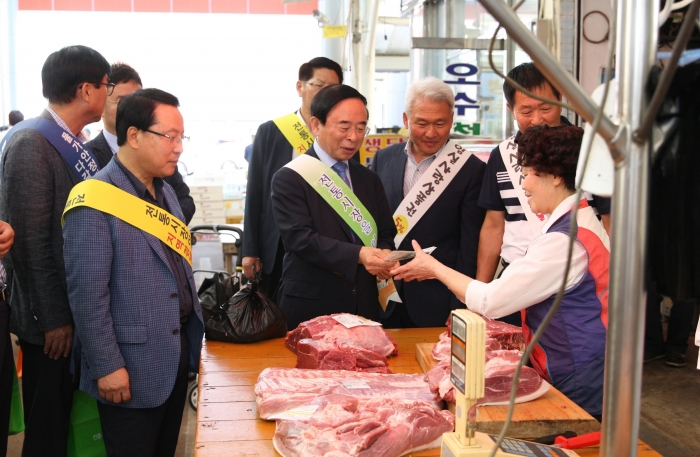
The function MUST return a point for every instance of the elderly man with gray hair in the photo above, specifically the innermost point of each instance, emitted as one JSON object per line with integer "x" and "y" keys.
{"x": 433, "y": 185}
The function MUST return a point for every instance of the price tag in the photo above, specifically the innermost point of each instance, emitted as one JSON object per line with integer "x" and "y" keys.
{"x": 355, "y": 385}
{"x": 351, "y": 320}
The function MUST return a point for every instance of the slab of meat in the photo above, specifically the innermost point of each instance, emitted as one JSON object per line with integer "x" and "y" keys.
{"x": 366, "y": 337}
{"x": 498, "y": 372}
{"x": 326, "y": 355}
{"x": 282, "y": 389}
{"x": 380, "y": 427}
{"x": 499, "y": 335}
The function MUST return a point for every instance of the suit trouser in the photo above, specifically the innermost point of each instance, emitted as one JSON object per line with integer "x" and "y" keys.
{"x": 147, "y": 432}
{"x": 680, "y": 325}
{"x": 7, "y": 365}
{"x": 270, "y": 282}
{"x": 47, "y": 393}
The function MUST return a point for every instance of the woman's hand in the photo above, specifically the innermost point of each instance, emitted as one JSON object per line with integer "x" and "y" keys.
{"x": 422, "y": 267}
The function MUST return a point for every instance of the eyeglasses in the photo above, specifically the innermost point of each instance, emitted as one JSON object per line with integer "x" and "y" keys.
{"x": 361, "y": 130}
{"x": 317, "y": 85}
{"x": 109, "y": 86}
{"x": 172, "y": 139}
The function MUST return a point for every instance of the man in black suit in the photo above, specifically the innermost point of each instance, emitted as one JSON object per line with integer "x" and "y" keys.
{"x": 271, "y": 151}
{"x": 104, "y": 146}
{"x": 34, "y": 186}
{"x": 327, "y": 269}
{"x": 452, "y": 220}
{"x": 7, "y": 361}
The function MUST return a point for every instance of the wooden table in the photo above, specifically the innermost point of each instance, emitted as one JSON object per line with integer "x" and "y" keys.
{"x": 227, "y": 419}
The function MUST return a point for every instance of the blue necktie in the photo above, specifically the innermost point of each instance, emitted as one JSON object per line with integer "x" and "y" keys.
{"x": 340, "y": 168}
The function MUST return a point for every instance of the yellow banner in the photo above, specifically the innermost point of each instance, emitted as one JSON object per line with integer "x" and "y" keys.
{"x": 295, "y": 132}
{"x": 374, "y": 143}
{"x": 151, "y": 219}
{"x": 335, "y": 31}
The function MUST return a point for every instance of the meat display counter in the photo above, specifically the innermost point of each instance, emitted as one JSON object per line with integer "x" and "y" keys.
{"x": 228, "y": 422}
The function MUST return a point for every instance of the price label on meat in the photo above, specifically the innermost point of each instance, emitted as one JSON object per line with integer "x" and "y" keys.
{"x": 351, "y": 320}
{"x": 355, "y": 385}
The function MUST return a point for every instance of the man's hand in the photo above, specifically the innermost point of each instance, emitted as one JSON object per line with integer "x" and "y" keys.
{"x": 58, "y": 342}
{"x": 250, "y": 265}
{"x": 115, "y": 386}
{"x": 422, "y": 267}
{"x": 7, "y": 237}
{"x": 374, "y": 263}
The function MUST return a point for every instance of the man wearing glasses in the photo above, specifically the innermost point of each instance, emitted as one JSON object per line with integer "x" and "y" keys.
{"x": 333, "y": 217}
{"x": 433, "y": 187}
{"x": 42, "y": 159}
{"x": 104, "y": 145}
{"x": 137, "y": 316}
{"x": 276, "y": 143}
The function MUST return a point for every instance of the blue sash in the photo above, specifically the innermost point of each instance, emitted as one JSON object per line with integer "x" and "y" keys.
{"x": 77, "y": 156}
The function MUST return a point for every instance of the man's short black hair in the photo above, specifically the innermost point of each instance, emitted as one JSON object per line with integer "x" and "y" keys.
{"x": 528, "y": 76}
{"x": 15, "y": 117}
{"x": 138, "y": 110}
{"x": 326, "y": 99}
{"x": 123, "y": 73}
{"x": 306, "y": 71}
{"x": 68, "y": 68}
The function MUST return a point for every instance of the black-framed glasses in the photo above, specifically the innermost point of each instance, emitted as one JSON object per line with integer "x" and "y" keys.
{"x": 361, "y": 130}
{"x": 108, "y": 86}
{"x": 317, "y": 85}
{"x": 172, "y": 139}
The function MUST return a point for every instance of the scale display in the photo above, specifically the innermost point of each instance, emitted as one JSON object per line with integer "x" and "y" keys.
{"x": 459, "y": 353}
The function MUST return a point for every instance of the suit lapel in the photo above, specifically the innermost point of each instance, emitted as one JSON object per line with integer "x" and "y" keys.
{"x": 397, "y": 168}
{"x": 121, "y": 181}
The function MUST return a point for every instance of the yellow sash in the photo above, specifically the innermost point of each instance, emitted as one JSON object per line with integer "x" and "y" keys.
{"x": 295, "y": 132}
{"x": 151, "y": 219}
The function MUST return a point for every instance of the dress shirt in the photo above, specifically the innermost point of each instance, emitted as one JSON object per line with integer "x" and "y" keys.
{"x": 534, "y": 277}
{"x": 111, "y": 140}
{"x": 415, "y": 170}
{"x": 330, "y": 161}
{"x": 174, "y": 259}
{"x": 64, "y": 126}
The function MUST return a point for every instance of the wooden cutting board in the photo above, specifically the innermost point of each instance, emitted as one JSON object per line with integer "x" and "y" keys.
{"x": 551, "y": 413}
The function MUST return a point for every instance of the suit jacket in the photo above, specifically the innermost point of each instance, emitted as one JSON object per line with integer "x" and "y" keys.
{"x": 452, "y": 224}
{"x": 104, "y": 154}
{"x": 123, "y": 295}
{"x": 271, "y": 151}
{"x": 321, "y": 274}
{"x": 34, "y": 186}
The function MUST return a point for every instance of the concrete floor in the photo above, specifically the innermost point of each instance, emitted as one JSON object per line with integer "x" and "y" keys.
{"x": 670, "y": 396}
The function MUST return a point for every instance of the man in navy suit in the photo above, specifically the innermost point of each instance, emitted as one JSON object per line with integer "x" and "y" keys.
{"x": 271, "y": 151}
{"x": 137, "y": 317}
{"x": 326, "y": 267}
{"x": 452, "y": 219}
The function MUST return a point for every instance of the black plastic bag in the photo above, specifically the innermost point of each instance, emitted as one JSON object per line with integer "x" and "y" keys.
{"x": 215, "y": 291}
{"x": 247, "y": 317}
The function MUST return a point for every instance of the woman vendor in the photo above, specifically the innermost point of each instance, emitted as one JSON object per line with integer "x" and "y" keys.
{"x": 571, "y": 353}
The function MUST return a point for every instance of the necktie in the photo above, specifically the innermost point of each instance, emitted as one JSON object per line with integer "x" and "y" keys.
{"x": 340, "y": 168}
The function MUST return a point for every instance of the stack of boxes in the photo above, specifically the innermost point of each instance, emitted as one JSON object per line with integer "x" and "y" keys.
{"x": 209, "y": 203}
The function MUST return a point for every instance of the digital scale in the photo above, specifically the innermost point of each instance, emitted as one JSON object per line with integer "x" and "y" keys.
{"x": 467, "y": 376}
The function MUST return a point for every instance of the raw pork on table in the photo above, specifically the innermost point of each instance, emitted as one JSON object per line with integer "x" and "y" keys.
{"x": 380, "y": 427}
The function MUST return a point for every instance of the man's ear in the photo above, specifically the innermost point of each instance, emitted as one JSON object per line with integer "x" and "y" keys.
{"x": 315, "y": 125}
{"x": 299, "y": 85}
{"x": 132, "y": 137}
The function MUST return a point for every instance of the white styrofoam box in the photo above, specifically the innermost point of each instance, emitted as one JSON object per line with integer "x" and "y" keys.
{"x": 211, "y": 213}
{"x": 207, "y": 190}
{"x": 207, "y": 221}
{"x": 208, "y": 198}
{"x": 210, "y": 204}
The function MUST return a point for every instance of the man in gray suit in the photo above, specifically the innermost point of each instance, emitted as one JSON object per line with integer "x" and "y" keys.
{"x": 104, "y": 145}
{"x": 35, "y": 180}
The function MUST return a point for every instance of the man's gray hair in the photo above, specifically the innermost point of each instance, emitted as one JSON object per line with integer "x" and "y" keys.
{"x": 431, "y": 89}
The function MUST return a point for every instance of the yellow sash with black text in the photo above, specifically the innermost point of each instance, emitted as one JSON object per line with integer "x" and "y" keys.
{"x": 153, "y": 220}
{"x": 296, "y": 132}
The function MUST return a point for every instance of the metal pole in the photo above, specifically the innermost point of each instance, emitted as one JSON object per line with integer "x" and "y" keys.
{"x": 553, "y": 71}
{"x": 636, "y": 43}
{"x": 509, "y": 65}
